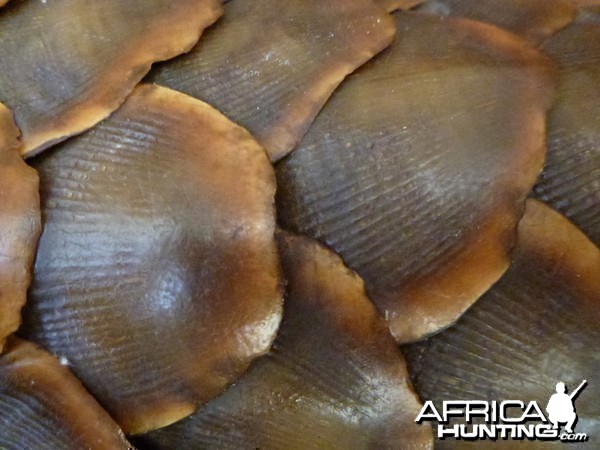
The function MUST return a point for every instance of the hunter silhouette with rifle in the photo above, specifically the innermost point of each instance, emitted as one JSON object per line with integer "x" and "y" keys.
{"x": 560, "y": 406}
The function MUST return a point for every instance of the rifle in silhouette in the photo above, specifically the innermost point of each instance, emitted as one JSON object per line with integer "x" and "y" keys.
{"x": 573, "y": 394}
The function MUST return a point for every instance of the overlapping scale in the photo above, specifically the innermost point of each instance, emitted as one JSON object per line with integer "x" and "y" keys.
{"x": 67, "y": 64}
{"x": 157, "y": 273}
{"x": 571, "y": 178}
{"x": 335, "y": 378}
{"x": 43, "y": 406}
{"x": 20, "y": 225}
{"x": 417, "y": 169}
{"x": 535, "y": 20}
{"x": 271, "y": 65}
{"x": 536, "y": 327}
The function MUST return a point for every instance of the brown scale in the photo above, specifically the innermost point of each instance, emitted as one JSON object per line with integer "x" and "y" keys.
{"x": 43, "y": 406}
{"x": 571, "y": 178}
{"x": 271, "y": 65}
{"x": 334, "y": 379}
{"x": 535, "y": 20}
{"x": 536, "y": 327}
{"x": 417, "y": 169}
{"x": 157, "y": 273}
{"x": 20, "y": 225}
{"x": 394, "y": 5}
{"x": 67, "y": 64}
